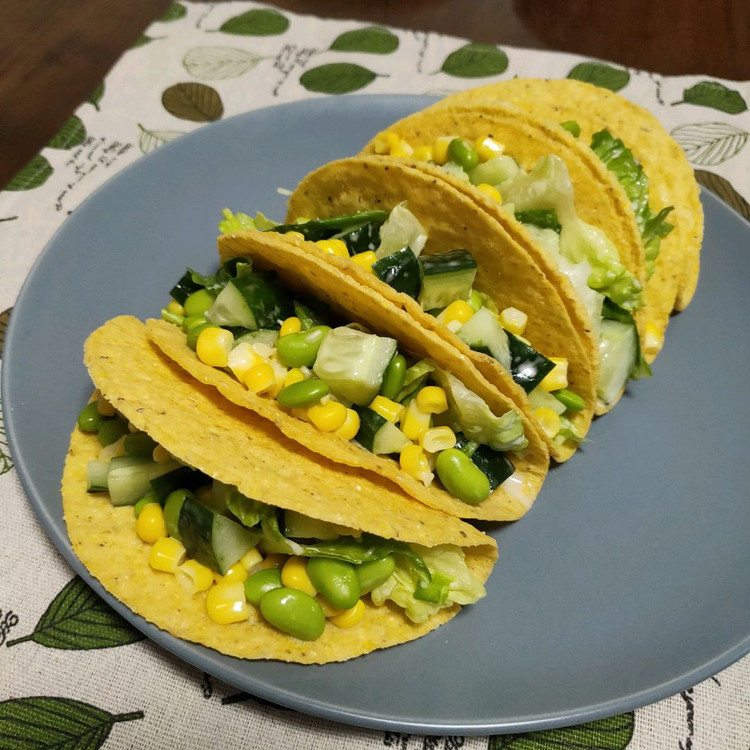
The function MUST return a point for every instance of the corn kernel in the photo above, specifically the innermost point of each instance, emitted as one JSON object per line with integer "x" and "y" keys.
{"x": 290, "y": 325}
{"x": 175, "y": 307}
{"x": 490, "y": 191}
{"x": 432, "y": 399}
{"x": 273, "y": 561}
{"x": 414, "y": 462}
{"x": 161, "y": 455}
{"x": 548, "y": 419}
{"x": 261, "y": 378}
{"x": 556, "y": 378}
{"x": 213, "y": 346}
{"x": 225, "y": 603}
{"x": 385, "y": 141}
{"x": 437, "y": 439}
{"x": 328, "y": 609}
{"x": 295, "y": 235}
{"x": 390, "y": 410}
{"x": 241, "y": 359}
{"x": 150, "y": 525}
{"x": 415, "y": 421}
{"x": 653, "y": 339}
{"x": 166, "y": 554}
{"x": 236, "y": 572}
{"x": 300, "y": 412}
{"x": 402, "y": 149}
{"x": 194, "y": 577}
{"x": 456, "y": 314}
{"x": 365, "y": 260}
{"x": 514, "y": 320}
{"x": 294, "y": 575}
{"x": 334, "y": 247}
{"x": 251, "y": 559}
{"x": 350, "y": 617}
{"x": 487, "y": 147}
{"x": 350, "y": 428}
{"x": 440, "y": 149}
{"x": 329, "y": 416}
{"x": 294, "y": 375}
{"x": 423, "y": 153}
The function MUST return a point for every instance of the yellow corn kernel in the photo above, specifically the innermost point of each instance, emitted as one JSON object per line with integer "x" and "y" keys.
{"x": 365, "y": 260}
{"x": 225, "y": 603}
{"x": 390, "y": 410}
{"x": 260, "y": 378}
{"x": 241, "y": 359}
{"x": 328, "y": 609}
{"x": 251, "y": 559}
{"x": 294, "y": 575}
{"x": 350, "y": 428}
{"x": 440, "y": 149}
{"x": 334, "y": 247}
{"x": 385, "y": 141}
{"x": 556, "y": 378}
{"x": 290, "y": 325}
{"x": 487, "y": 147}
{"x": 432, "y": 399}
{"x": 456, "y": 314}
{"x": 237, "y": 572}
{"x": 166, "y": 554}
{"x": 415, "y": 421}
{"x": 161, "y": 455}
{"x": 402, "y": 149}
{"x": 300, "y": 412}
{"x": 653, "y": 339}
{"x": 273, "y": 561}
{"x": 213, "y": 346}
{"x": 437, "y": 439}
{"x": 194, "y": 577}
{"x": 414, "y": 462}
{"x": 150, "y": 524}
{"x": 294, "y": 375}
{"x": 295, "y": 235}
{"x": 423, "y": 153}
{"x": 327, "y": 417}
{"x": 490, "y": 191}
{"x": 350, "y": 617}
{"x": 548, "y": 419}
{"x": 175, "y": 307}
{"x": 514, "y": 320}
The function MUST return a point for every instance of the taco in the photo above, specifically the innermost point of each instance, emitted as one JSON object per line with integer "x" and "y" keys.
{"x": 559, "y": 202}
{"x": 286, "y": 334}
{"x": 223, "y": 499}
{"x": 651, "y": 167}
{"x": 430, "y": 252}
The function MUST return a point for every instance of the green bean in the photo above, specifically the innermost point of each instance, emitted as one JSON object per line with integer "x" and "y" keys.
{"x": 463, "y": 153}
{"x": 294, "y": 612}
{"x": 461, "y": 477}
{"x": 372, "y": 574}
{"x": 571, "y": 401}
{"x": 336, "y": 580}
{"x": 393, "y": 377}
{"x": 304, "y": 393}
{"x": 195, "y": 331}
{"x": 89, "y": 419}
{"x": 259, "y": 584}
{"x": 111, "y": 430}
{"x": 145, "y": 500}
{"x": 172, "y": 508}
{"x": 198, "y": 302}
{"x": 300, "y": 349}
{"x": 139, "y": 445}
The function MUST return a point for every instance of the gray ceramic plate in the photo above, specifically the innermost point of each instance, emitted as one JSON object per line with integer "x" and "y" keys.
{"x": 628, "y": 580}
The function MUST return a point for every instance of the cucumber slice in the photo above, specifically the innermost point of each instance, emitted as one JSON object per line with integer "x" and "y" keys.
{"x": 252, "y": 301}
{"x": 97, "y": 473}
{"x": 483, "y": 333}
{"x": 179, "y": 478}
{"x": 494, "y": 171}
{"x": 353, "y": 363}
{"x": 446, "y": 277}
{"x": 527, "y": 366}
{"x": 618, "y": 349}
{"x": 267, "y": 336}
{"x": 399, "y": 270}
{"x": 362, "y": 237}
{"x": 299, "y": 526}
{"x": 212, "y": 539}
{"x": 378, "y": 435}
{"x": 130, "y": 478}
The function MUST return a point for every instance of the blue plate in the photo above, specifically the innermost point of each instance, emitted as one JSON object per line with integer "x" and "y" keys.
{"x": 626, "y": 583}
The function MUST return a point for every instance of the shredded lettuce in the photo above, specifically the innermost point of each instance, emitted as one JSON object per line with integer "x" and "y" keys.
{"x": 241, "y": 222}
{"x": 630, "y": 174}
{"x": 401, "y": 229}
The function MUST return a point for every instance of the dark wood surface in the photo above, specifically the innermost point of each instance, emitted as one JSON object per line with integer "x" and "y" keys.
{"x": 53, "y": 54}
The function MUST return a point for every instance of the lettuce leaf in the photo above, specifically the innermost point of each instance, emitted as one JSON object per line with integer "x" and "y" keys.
{"x": 241, "y": 222}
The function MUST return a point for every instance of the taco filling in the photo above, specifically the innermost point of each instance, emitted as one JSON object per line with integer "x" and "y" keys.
{"x": 389, "y": 245}
{"x": 542, "y": 199}
{"x": 345, "y": 380}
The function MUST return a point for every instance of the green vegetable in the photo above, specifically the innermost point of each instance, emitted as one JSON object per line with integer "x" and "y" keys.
{"x": 301, "y": 349}
{"x": 111, "y": 430}
{"x": 463, "y": 153}
{"x": 401, "y": 229}
{"x": 89, "y": 419}
{"x": 336, "y": 580}
{"x": 336, "y": 226}
{"x": 142, "y": 503}
{"x": 571, "y": 401}
{"x": 129, "y": 479}
{"x": 494, "y": 171}
{"x": 139, "y": 444}
{"x": 461, "y": 477}
{"x": 242, "y": 222}
{"x": 304, "y": 393}
{"x": 377, "y": 435}
{"x": 483, "y": 333}
{"x": 572, "y": 127}
{"x": 495, "y": 465}
{"x": 527, "y": 365}
{"x": 294, "y": 612}
{"x": 259, "y": 584}
{"x": 394, "y": 377}
{"x": 374, "y": 573}
{"x": 399, "y": 270}
{"x": 172, "y": 509}
{"x": 97, "y": 476}
{"x": 436, "y": 591}
{"x": 544, "y": 218}
{"x": 415, "y": 377}
{"x": 446, "y": 277}
{"x": 181, "y": 477}
{"x": 198, "y": 302}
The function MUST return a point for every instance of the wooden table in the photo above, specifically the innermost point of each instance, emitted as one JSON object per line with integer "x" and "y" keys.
{"x": 53, "y": 54}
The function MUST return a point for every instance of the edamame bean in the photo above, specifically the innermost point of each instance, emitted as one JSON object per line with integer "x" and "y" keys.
{"x": 259, "y": 584}
{"x": 111, "y": 430}
{"x": 198, "y": 302}
{"x": 393, "y": 377}
{"x": 336, "y": 580}
{"x": 461, "y": 477}
{"x": 195, "y": 331}
{"x": 172, "y": 508}
{"x": 139, "y": 445}
{"x": 304, "y": 393}
{"x": 300, "y": 349}
{"x": 463, "y": 153}
{"x": 89, "y": 419}
{"x": 190, "y": 321}
{"x": 294, "y": 612}
{"x": 372, "y": 574}
{"x": 143, "y": 502}
{"x": 571, "y": 401}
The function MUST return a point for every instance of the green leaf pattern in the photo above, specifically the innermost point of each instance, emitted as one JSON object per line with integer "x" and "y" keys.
{"x": 264, "y": 22}
{"x": 475, "y": 60}
{"x": 219, "y": 63}
{"x": 373, "y": 39}
{"x": 6, "y": 463}
{"x": 150, "y": 140}
{"x": 708, "y": 144}
{"x": 193, "y": 101}
{"x": 600, "y": 74}
{"x": 716, "y": 95}
{"x": 337, "y": 78}
{"x": 73, "y": 133}
{"x": 33, "y": 175}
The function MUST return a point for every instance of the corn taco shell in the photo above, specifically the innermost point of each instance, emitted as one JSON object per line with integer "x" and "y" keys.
{"x": 505, "y": 271}
{"x": 671, "y": 178}
{"x": 229, "y": 443}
